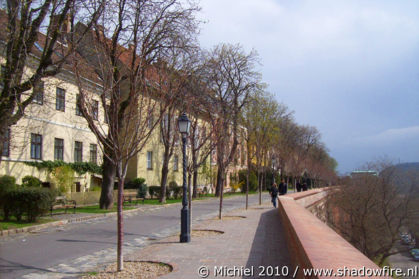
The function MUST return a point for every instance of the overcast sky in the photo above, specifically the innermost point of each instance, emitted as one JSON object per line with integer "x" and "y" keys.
{"x": 350, "y": 68}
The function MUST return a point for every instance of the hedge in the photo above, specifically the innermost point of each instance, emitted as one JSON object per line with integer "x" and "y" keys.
{"x": 135, "y": 183}
{"x": 31, "y": 201}
{"x": 154, "y": 191}
{"x": 31, "y": 181}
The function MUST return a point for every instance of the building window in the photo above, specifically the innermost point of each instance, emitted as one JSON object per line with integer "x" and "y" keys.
{"x": 60, "y": 99}
{"x": 175, "y": 163}
{"x": 95, "y": 110}
{"x": 36, "y": 146}
{"x": 6, "y": 144}
{"x": 58, "y": 149}
{"x": 38, "y": 92}
{"x": 93, "y": 153}
{"x": 78, "y": 110}
{"x": 149, "y": 160}
{"x": 78, "y": 151}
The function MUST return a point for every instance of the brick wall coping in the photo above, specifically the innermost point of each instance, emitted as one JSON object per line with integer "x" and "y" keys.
{"x": 312, "y": 243}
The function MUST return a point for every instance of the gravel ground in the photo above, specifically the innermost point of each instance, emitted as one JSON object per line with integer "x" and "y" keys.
{"x": 137, "y": 270}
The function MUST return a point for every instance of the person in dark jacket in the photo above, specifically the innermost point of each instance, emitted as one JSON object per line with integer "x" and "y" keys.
{"x": 298, "y": 187}
{"x": 274, "y": 194}
{"x": 305, "y": 188}
{"x": 281, "y": 188}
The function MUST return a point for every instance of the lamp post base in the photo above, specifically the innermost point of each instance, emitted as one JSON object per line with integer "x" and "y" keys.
{"x": 185, "y": 234}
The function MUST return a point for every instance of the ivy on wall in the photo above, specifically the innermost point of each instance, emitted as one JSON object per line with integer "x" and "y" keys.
{"x": 79, "y": 167}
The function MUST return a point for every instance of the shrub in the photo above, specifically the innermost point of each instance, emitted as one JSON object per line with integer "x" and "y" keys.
{"x": 253, "y": 180}
{"x": 31, "y": 181}
{"x": 95, "y": 189}
{"x": 154, "y": 190}
{"x": 63, "y": 178}
{"x": 30, "y": 201}
{"x": 142, "y": 191}
{"x": 7, "y": 183}
{"x": 135, "y": 183}
{"x": 236, "y": 186}
{"x": 173, "y": 189}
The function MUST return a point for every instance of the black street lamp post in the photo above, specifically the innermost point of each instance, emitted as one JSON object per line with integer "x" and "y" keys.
{"x": 185, "y": 228}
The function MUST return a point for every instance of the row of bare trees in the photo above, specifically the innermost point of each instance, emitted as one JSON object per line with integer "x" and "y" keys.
{"x": 275, "y": 141}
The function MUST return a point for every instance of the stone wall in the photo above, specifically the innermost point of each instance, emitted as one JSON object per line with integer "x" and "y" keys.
{"x": 311, "y": 242}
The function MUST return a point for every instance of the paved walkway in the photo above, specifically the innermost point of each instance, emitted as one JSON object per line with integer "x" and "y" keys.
{"x": 153, "y": 234}
{"x": 252, "y": 244}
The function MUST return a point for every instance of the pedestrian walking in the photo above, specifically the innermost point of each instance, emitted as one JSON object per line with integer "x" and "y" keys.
{"x": 274, "y": 194}
{"x": 281, "y": 188}
{"x": 305, "y": 188}
{"x": 298, "y": 187}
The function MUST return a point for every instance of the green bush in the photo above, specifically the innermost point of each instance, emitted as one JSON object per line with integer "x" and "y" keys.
{"x": 154, "y": 190}
{"x": 95, "y": 189}
{"x": 63, "y": 178}
{"x": 32, "y": 202}
{"x": 135, "y": 183}
{"x": 142, "y": 191}
{"x": 174, "y": 189}
{"x": 253, "y": 181}
{"x": 31, "y": 181}
{"x": 7, "y": 183}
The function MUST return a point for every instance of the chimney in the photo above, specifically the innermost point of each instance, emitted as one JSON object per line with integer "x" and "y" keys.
{"x": 65, "y": 27}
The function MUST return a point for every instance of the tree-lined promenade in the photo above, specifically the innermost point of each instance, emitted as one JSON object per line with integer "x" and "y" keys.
{"x": 139, "y": 64}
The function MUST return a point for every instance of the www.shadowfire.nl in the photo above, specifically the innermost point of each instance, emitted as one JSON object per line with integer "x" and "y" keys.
{"x": 362, "y": 272}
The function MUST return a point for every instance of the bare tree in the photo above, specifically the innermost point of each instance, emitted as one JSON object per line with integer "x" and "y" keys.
{"x": 150, "y": 29}
{"x": 230, "y": 77}
{"x": 176, "y": 72}
{"x": 133, "y": 36}
{"x": 30, "y": 55}
{"x": 369, "y": 210}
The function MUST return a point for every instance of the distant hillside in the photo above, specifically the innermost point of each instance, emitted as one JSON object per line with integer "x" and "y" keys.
{"x": 408, "y": 166}
{"x": 406, "y": 176}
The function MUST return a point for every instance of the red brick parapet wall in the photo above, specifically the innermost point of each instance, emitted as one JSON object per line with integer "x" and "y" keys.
{"x": 312, "y": 243}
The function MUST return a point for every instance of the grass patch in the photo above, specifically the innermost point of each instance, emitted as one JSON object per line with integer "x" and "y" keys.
{"x": 13, "y": 224}
{"x": 94, "y": 209}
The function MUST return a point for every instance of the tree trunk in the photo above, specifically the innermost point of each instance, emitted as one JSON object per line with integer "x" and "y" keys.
{"x": 120, "y": 258}
{"x": 221, "y": 198}
{"x": 108, "y": 175}
{"x": 260, "y": 187}
{"x": 163, "y": 184}
{"x": 3, "y": 130}
{"x": 264, "y": 180}
{"x": 195, "y": 182}
{"x": 219, "y": 185}
{"x": 247, "y": 187}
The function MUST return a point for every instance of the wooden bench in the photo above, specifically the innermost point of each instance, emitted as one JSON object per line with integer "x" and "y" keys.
{"x": 131, "y": 197}
{"x": 62, "y": 202}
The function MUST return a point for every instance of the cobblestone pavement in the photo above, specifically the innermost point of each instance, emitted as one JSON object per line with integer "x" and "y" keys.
{"x": 80, "y": 239}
